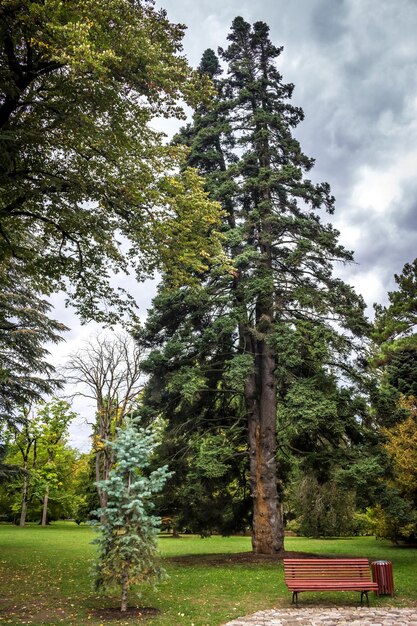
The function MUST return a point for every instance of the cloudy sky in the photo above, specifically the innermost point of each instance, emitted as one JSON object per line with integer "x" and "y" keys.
{"x": 354, "y": 66}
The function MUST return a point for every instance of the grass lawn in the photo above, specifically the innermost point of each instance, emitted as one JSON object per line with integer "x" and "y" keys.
{"x": 44, "y": 576}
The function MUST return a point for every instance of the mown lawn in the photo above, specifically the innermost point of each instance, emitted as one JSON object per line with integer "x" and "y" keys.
{"x": 44, "y": 576}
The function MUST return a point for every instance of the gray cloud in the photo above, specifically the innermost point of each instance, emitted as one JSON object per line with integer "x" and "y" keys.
{"x": 328, "y": 21}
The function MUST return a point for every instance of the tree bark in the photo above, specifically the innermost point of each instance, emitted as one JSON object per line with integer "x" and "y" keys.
{"x": 99, "y": 476}
{"x": 268, "y": 528}
{"x": 125, "y": 590}
{"x": 24, "y": 508}
{"x": 45, "y": 507}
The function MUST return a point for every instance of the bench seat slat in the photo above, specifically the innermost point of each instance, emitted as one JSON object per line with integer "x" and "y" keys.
{"x": 326, "y": 584}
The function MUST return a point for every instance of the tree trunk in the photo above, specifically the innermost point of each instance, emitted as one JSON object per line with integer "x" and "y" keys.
{"x": 125, "y": 589}
{"x": 102, "y": 496}
{"x": 24, "y": 508}
{"x": 261, "y": 397}
{"x": 268, "y": 528}
{"x": 45, "y": 507}
{"x": 104, "y": 460}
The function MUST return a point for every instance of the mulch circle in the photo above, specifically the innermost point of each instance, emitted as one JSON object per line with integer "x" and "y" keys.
{"x": 238, "y": 558}
{"x": 114, "y": 613}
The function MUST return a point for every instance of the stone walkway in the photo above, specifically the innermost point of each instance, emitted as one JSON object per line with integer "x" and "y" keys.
{"x": 362, "y": 616}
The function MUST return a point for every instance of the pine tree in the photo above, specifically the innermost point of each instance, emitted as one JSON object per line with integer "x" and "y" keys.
{"x": 25, "y": 328}
{"x": 225, "y": 346}
{"x": 128, "y": 530}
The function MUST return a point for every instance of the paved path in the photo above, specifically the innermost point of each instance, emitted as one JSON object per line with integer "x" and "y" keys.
{"x": 363, "y": 616}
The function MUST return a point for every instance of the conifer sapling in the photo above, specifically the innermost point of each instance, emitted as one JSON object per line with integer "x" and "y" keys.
{"x": 127, "y": 529}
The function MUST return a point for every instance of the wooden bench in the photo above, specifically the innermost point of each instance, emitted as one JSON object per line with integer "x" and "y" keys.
{"x": 328, "y": 575}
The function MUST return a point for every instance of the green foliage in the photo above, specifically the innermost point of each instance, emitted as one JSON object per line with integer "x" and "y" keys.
{"x": 327, "y": 508}
{"x": 80, "y": 165}
{"x": 323, "y": 509}
{"x": 24, "y": 329}
{"x": 395, "y": 517}
{"x": 396, "y": 514}
{"x": 394, "y": 361}
{"x": 128, "y": 530}
{"x": 38, "y": 447}
{"x": 399, "y": 320}
{"x": 209, "y": 491}
{"x": 85, "y": 489}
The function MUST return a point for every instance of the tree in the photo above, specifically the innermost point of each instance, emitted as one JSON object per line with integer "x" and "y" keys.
{"x": 209, "y": 487}
{"x": 228, "y": 337}
{"x": 401, "y": 446}
{"x": 80, "y": 165}
{"x": 37, "y": 445}
{"x": 394, "y": 355}
{"x": 55, "y": 418}
{"x": 395, "y": 513}
{"x": 25, "y": 441}
{"x": 394, "y": 363}
{"x": 87, "y": 188}
{"x": 85, "y": 488}
{"x": 398, "y": 321}
{"x": 127, "y": 540}
{"x": 24, "y": 329}
{"x": 107, "y": 370}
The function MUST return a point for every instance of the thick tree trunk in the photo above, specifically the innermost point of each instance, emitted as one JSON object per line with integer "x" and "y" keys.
{"x": 45, "y": 507}
{"x": 268, "y": 528}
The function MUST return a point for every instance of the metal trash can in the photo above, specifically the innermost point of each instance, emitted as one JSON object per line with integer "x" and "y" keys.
{"x": 382, "y": 574}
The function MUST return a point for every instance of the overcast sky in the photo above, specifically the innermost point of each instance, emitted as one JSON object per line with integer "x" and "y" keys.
{"x": 354, "y": 66}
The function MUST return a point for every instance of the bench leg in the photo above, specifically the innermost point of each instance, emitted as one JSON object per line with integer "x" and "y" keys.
{"x": 364, "y": 593}
{"x": 295, "y": 597}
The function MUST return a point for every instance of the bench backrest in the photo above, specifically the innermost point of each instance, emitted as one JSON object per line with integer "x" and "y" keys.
{"x": 335, "y": 569}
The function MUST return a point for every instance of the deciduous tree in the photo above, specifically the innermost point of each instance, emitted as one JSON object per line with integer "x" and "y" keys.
{"x": 107, "y": 370}
{"x": 38, "y": 446}
{"x": 80, "y": 165}
{"x": 55, "y": 418}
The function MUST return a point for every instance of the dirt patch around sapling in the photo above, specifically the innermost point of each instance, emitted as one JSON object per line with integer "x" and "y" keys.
{"x": 112, "y": 614}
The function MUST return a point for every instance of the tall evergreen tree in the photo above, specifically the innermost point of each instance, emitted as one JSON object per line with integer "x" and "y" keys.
{"x": 224, "y": 348}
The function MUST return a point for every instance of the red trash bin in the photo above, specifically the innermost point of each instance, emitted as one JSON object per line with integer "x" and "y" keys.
{"x": 383, "y": 575}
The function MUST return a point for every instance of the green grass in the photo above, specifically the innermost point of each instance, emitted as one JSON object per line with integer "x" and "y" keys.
{"x": 44, "y": 576}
